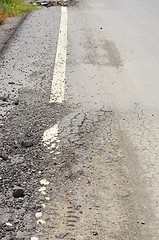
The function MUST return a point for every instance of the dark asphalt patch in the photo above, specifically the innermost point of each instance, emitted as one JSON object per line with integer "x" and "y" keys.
{"x": 23, "y": 165}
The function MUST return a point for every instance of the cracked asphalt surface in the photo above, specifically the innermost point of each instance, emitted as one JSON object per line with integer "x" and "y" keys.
{"x": 88, "y": 166}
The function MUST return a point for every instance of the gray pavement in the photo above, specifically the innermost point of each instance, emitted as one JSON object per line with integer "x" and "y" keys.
{"x": 89, "y": 165}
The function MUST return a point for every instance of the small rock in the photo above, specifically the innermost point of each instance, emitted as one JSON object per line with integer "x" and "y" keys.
{"x": 38, "y": 215}
{"x": 16, "y": 102}
{"x": 18, "y": 192}
{"x": 11, "y": 83}
{"x": 26, "y": 144}
{"x": 142, "y": 222}
{"x": 9, "y": 224}
{"x": 44, "y": 182}
{"x": 95, "y": 233}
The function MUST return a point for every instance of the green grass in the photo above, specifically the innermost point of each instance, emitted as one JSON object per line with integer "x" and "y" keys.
{"x": 14, "y": 8}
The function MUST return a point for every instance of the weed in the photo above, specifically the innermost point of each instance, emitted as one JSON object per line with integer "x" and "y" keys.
{"x": 14, "y": 8}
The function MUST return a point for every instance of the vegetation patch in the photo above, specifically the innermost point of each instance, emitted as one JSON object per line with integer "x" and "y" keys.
{"x": 3, "y": 16}
{"x": 14, "y": 8}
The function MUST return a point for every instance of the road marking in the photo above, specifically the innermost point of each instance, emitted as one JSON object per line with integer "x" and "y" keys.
{"x": 57, "y": 92}
{"x": 58, "y": 81}
{"x": 50, "y": 138}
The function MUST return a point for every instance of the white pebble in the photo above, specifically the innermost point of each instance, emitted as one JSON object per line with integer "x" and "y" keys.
{"x": 34, "y": 238}
{"x": 38, "y": 215}
{"x": 9, "y": 224}
{"x": 44, "y": 182}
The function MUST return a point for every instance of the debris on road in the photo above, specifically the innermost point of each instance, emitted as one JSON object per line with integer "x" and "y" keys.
{"x": 26, "y": 144}
{"x": 55, "y": 3}
{"x": 3, "y": 169}
{"x": 18, "y": 192}
{"x": 44, "y": 182}
{"x": 9, "y": 224}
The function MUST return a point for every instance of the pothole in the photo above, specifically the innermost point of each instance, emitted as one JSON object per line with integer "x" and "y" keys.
{"x": 56, "y": 3}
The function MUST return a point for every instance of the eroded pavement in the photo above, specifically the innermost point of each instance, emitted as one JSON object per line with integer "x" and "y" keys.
{"x": 89, "y": 165}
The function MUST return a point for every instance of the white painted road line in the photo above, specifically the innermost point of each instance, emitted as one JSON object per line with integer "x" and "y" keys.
{"x": 58, "y": 81}
{"x": 50, "y": 138}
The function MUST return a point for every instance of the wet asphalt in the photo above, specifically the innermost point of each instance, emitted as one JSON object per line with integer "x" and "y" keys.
{"x": 86, "y": 168}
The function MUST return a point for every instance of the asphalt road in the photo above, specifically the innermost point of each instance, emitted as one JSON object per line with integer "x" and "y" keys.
{"x": 79, "y": 123}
